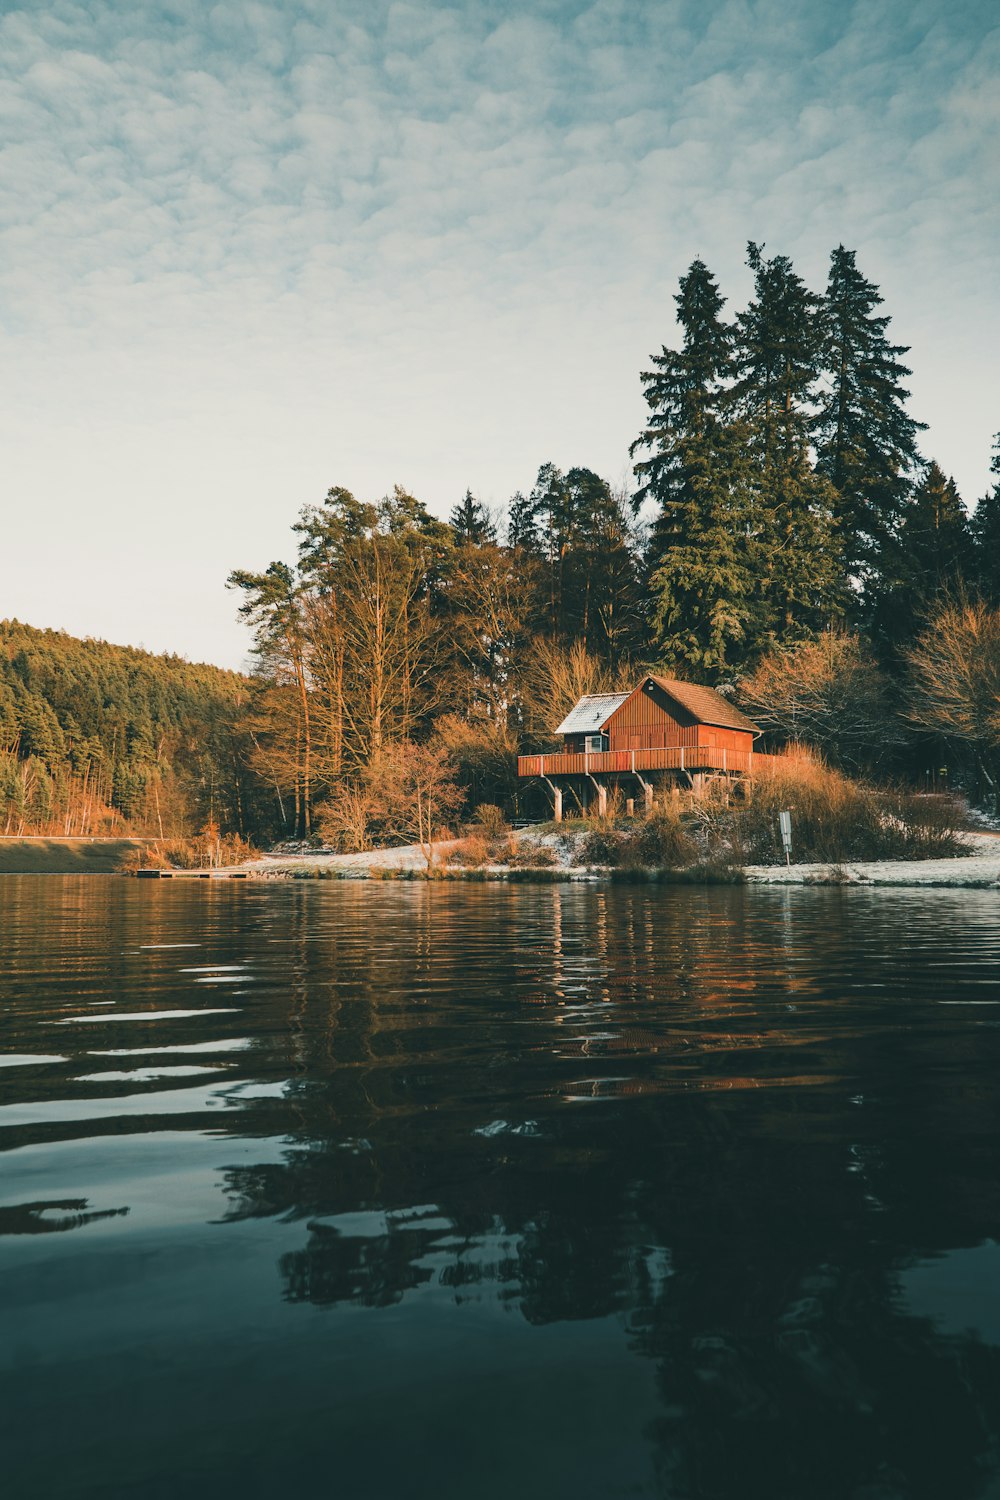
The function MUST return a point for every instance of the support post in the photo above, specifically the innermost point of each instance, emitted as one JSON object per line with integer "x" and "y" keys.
{"x": 647, "y": 787}
{"x": 557, "y": 799}
{"x": 602, "y": 796}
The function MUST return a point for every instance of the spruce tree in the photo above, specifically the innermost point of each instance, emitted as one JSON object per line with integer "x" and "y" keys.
{"x": 577, "y": 535}
{"x": 800, "y": 584}
{"x": 866, "y": 442}
{"x": 931, "y": 556}
{"x": 935, "y": 544}
{"x": 600, "y": 581}
{"x": 699, "y": 562}
{"x": 472, "y": 522}
{"x": 985, "y": 531}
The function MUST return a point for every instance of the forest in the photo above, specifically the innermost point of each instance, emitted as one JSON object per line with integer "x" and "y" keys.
{"x": 98, "y": 739}
{"x": 786, "y": 540}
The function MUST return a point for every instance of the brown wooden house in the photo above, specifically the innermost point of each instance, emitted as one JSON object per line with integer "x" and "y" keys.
{"x": 679, "y": 729}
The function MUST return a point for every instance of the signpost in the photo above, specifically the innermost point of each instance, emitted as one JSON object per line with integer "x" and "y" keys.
{"x": 785, "y": 820}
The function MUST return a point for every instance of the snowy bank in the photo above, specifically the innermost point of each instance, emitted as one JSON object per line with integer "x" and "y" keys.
{"x": 979, "y": 868}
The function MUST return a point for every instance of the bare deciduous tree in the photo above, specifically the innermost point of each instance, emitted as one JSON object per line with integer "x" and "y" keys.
{"x": 829, "y": 693}
{"x": 955, "y": 677}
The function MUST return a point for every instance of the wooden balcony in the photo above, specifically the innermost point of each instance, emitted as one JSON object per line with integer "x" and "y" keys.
{"x": 687, "y": 758}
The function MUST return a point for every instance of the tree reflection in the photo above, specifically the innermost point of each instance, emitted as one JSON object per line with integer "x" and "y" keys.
{"x": 764, "y": 1157}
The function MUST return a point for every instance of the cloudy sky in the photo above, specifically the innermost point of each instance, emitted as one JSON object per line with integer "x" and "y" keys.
{"x": 254, "y": 249}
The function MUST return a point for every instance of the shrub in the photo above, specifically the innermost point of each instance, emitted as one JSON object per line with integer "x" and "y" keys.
{"x": 662, "y": 839}
{"x": 529, "y": 856}
{"x": 470, "y": 853}
{"x": 199, "y": 853}
{"x": 489, "y": 821}
{"x": 603, "y": 845}
{"x": 657, "y": 841}
{"x": 833, "y": 819}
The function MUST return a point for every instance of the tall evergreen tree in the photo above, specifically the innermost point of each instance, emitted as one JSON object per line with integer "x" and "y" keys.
{"x": 472, "y": 521}
{"x": 576, "y": 533}
{"x": 778, "y": 355}
{"x": 699, "y": 562}
{"x": 866, "y": 442}
{"x": 934, "y": 536}
{"x": 985, "y": 529}
{"x": 931, "y": 556}
{"x": 600, "y": 584}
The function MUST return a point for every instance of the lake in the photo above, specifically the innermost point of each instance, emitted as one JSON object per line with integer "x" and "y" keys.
{"x": 407, "y": 1190}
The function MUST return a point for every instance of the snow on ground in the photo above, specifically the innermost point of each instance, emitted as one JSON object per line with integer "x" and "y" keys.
{"x": 980, "y": 867}
{"x": 352, "y": 866}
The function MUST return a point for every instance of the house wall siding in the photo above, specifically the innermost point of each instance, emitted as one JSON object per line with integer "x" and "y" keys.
{"x": 644, "y": 722}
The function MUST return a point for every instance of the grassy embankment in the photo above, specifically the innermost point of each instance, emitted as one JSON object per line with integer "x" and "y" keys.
{"x": 43, "y": 856}
{"x": 714, "y": 835}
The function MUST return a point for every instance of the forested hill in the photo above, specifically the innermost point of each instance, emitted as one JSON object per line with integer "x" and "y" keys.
{"x": 96, "y": 738}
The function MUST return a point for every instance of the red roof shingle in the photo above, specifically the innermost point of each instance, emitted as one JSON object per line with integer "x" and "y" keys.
{"x": 705, "y": 704}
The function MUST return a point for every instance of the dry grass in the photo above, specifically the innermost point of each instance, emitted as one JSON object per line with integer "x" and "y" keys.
{"x": 199, "y": 853}
{"x": 659, "y": 841}
{"x": 833, "y": 818}
{"x": 489, "y": 841}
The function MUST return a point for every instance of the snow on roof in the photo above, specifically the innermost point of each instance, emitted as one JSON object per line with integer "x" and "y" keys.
{"x": 591, "y": 713}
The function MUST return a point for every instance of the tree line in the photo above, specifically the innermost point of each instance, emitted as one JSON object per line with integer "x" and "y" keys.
{"x": 98, "y": 739}
{"x": 785, "y": 539}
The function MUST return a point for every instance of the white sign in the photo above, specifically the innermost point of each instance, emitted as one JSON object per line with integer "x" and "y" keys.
{"x": 785, "y": 821}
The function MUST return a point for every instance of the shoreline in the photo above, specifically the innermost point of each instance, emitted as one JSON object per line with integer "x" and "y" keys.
{"x": 979, "y": 869}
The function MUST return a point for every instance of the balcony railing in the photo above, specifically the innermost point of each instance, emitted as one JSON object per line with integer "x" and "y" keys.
{"x": 689, "y": 758}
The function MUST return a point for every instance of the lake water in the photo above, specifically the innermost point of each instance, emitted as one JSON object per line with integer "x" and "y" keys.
{"x": 365, "y": 1190}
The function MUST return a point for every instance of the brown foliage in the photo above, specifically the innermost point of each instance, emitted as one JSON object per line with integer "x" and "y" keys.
{"x": 828, "y": 693}
{"x": 207, "y": 851}
{"x": 556, "y": 677}
{"x": 833, "y": 818}
{"x": 484, "y": 752}
{"x": 657, "y": 842}
{"x": 955, "y": 683}
{"x": 404, "y": 796}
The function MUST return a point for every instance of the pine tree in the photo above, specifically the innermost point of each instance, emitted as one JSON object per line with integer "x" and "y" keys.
{"x": 778, "y": 352}
{"x": 865, "y": 439}
{"x": 699, "y": 562}
{"x": 576, "y": 536}
{"x": 600, "y": 583}
{"x": 472, "y": 521}
{"x": 985, "y": 531}
{"x": 519, "y": 523}
{"x": 934, "y": 536}
{"x": 930, "y": 557}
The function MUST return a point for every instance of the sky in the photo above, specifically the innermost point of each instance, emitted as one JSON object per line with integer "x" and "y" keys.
{"x": 251, "y": 250}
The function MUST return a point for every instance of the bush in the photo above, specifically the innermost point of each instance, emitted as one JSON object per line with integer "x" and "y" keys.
{"x": 204, "y": 852}
{"x": 470, "y": 853}
{"x": 833, "y": 819}
{"x": 657, "y": 841}
{"x": 529, "y": 856}
{"x": 489, "y": 821}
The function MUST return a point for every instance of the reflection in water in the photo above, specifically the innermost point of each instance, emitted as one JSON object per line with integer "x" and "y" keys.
{"x": 638, "y": 1191}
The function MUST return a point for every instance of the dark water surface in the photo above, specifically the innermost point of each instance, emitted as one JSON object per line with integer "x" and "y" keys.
{"x": 495, "y": 1191}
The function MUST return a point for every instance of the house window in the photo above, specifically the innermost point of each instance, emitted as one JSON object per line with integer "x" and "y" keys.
{"x": 595, "y": 744}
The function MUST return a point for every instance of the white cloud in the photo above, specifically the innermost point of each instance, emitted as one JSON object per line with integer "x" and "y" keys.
{"x": 258, "y": 249}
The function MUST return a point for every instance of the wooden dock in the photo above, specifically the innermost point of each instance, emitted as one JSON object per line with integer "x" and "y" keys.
{"x": 191, "y": 874}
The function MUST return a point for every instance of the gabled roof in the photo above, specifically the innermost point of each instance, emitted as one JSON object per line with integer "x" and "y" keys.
{"x": 705, "y": 704}
{"x": 591, "y": 713}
